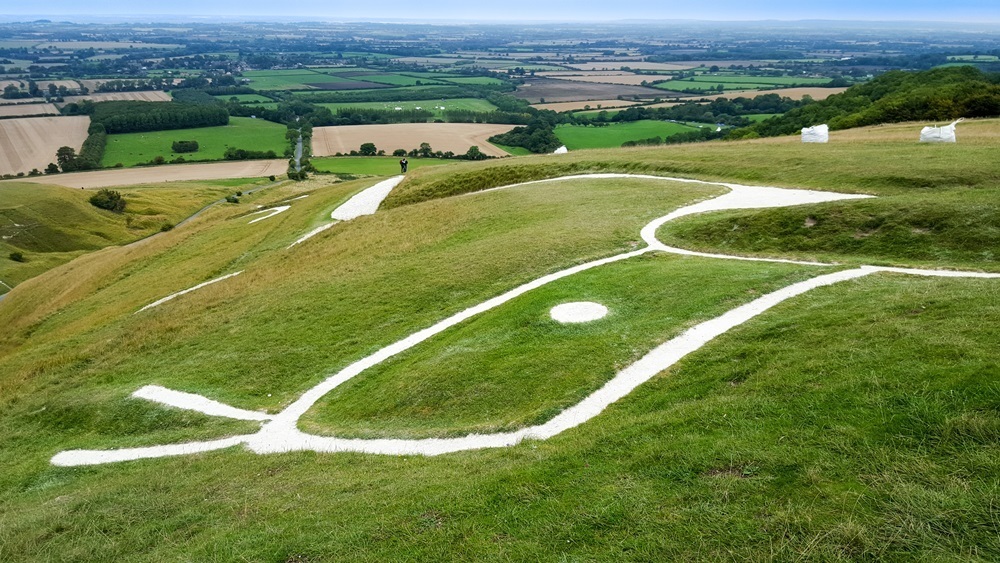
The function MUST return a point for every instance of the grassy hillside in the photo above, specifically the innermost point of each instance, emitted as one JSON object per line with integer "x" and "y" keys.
{"x": 858, "y": 421}
{"x": 51, "y": 225}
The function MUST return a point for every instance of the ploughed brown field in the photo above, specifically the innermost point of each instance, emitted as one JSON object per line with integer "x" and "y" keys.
{"x": 454, "y": 137}
{"x": 610, "y": 78}
{"x": 32, "y": 142}
{"x": 166, "y": 173}
{"x": 535, "y": 90}
{"x": 14, "y": 110}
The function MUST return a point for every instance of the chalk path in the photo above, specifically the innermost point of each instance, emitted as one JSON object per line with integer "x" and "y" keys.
{"x": 280, "y": 432}
{"x": 365, "y": 202}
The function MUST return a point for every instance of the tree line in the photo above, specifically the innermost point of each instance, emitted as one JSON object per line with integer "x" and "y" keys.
{"x": 940, "y": 94}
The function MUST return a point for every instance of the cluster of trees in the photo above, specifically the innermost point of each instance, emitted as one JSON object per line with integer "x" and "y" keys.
{"x": 424, "y": 151}
{"x": 132, "y": 117}
{"x": 233, "y": 153}
{"x": 108, "y": 199}
{"x": 184, "y": 146}
{"x": 134, "y": 85}
{"x": 940, "y": 94}
{"x": 89, "y": 158}
{"x": 538, "y": 137}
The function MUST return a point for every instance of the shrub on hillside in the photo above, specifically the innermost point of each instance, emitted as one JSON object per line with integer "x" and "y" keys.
{"x": 17, "y": 256}
{"x": 108, "y": 199}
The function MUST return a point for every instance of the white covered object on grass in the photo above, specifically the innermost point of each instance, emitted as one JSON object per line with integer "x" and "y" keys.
{"x": 561, "y": 150}
{"x": 816, "y": 134}
{"x": 944, "y": 134}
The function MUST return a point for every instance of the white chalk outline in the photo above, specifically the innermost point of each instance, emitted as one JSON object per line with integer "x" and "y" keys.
{"x": 188, "y": 290}
{"x": 365, "y": 202}
{"x": 281, "y": 434}
{"x": 272, "y": 210}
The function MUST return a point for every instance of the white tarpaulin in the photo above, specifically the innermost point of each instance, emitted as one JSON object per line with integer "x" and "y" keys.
{"x": 817, "y": 134}
{"x": 944, "y": 134}
{"x": 561, "y": 150}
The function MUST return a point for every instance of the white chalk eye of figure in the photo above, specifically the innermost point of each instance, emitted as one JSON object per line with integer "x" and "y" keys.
{"x": 578, "y": 312}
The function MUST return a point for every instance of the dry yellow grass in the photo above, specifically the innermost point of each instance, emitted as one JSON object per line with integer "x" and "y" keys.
{"x": 574, "y": 106}
{"x": 166, "y": 173}
{"x": 454, "y": 137}
{"x": 13, "y": 110}
{"x": 151, "y": 96}
{"x": 32, "y": 142}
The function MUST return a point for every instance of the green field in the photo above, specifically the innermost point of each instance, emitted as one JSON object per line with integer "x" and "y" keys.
{"x": 577, "y": 137}
{"x": 372, "y": 166}
{"x": 245, "y": 98}
{"x": 470, "y": 104}
{"x": 242, "y": 132}
{"x": 760, "y": 116}
{"x": 285, "y": 79}
{"x": 854, "y": 422}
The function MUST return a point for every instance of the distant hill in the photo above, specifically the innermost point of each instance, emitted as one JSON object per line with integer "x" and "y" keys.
{"x": 940, "y": 94}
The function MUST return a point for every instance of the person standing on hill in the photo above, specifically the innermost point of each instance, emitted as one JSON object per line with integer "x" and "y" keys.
{"x": 402, "y": 166}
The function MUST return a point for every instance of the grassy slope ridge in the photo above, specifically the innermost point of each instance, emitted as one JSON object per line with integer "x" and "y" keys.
{"x": 51, "y": 225}
{"x": 858, "y": 421}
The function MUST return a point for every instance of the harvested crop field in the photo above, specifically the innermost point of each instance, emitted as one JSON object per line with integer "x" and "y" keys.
{"x": 150, "y": 96}
{"x": 551, "y": 90}
{"x": 454, "y": 137}
{"x": 13, "y": 110}
{"x": 640, "y": 65}
{"x": 32, "y": 142}
{"x": 71, "y": 84}
{"x": 576, "y": 106}
{"x": 166, "y": 173}
{"x": 793, "y": 93}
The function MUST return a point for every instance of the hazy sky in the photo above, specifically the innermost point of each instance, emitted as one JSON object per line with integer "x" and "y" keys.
{"x": 978, "y": 11}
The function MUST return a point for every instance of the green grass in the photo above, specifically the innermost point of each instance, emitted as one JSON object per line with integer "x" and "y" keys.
{"x": 518, "y": 357}
{"x": 471, "y": 104}
{"x": 757, "y": 80}
{"x": 285, "y": 79}
{"x": 372, "y": 166}
{"x": 242, "y": 132}
{"x": 756, "y": 117}
{"x": 855, "y": 422}
{"x": 515, "y": 151}
{"x": 958, "y": 227}
{"x": 51, "y": 225}
{"x": 244, "y": 98}
{"x": 881, "y": 161}
{"x": 577, "y": 137}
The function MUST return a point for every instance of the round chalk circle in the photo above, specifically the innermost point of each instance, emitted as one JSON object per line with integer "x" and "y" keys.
{"x": 579, "y": 312}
